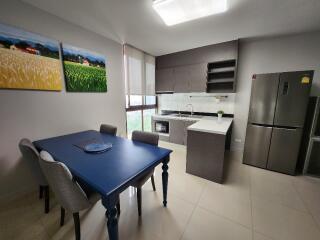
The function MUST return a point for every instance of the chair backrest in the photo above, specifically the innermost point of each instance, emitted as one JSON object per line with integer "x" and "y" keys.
{"x": 68, "y": 192}
{"x": 109, "y": 129}
{"x": 145, "y": 137}
{"x": 31, "y": 156}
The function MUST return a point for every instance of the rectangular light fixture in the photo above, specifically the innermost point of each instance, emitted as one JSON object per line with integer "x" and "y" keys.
{"x": 177, "y": 11}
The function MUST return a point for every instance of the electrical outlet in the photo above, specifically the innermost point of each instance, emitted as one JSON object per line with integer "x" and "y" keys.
{"x": 238, "y": 140}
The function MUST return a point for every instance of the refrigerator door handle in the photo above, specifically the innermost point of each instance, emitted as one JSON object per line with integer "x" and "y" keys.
{"x": 285, "y": 89}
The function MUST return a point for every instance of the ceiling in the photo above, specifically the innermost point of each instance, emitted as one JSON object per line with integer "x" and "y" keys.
{"x": 135, "y": 22}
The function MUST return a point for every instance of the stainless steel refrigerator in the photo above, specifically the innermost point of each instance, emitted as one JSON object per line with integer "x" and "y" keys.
{"x": 277, "y": 112}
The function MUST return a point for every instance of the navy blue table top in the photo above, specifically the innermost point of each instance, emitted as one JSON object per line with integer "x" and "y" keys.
{"x": 105, "y": 172}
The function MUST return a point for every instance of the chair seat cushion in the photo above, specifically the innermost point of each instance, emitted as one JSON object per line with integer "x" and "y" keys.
{"x": 142, "y": 180}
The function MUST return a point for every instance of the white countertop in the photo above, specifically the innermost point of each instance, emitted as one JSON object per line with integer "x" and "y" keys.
{"x": 204, "y": 123}
{"x": 211, "y": 125}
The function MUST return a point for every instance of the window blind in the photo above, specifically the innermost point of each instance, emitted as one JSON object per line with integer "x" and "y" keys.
{"x": 139, "y": 72}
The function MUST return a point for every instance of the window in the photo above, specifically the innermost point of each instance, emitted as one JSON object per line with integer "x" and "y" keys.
{"x": 141, "y": 101}
{"x": 139, "y": 116}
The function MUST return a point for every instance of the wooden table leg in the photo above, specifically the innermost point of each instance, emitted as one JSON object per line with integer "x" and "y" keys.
{"x": 165, "y": 176}
{"x": 112, "y": 217}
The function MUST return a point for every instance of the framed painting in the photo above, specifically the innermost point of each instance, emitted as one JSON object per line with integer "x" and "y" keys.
{"x": 84, "y": 71}
{"x": 29, "y": 61}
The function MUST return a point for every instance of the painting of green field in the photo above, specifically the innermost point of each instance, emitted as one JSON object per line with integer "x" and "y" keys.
{"x": 81, "y": 78}
{"x": 28, "y": 61}
{"x": 84, "y": 71}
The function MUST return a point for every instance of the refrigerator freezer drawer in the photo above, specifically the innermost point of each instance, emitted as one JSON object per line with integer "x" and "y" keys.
{"x": 257, "y": 145}
{"x": 284, "y": 150}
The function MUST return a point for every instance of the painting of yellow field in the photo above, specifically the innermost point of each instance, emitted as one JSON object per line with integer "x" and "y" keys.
{"x": 28, "y": 61}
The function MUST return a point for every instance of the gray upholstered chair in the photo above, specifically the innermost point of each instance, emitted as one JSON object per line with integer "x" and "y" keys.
{"x": 67, "y": 191}
{"x": 149, "y": 138}
{"x": 31, "y": 156}
{"x": 109, "y": 129}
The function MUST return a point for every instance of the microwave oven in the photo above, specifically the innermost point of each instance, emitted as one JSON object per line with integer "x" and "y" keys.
{"x": 161, "y": 126}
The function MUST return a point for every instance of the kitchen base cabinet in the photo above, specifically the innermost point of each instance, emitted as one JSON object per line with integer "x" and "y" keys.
{"x": 176, "y": 131}
{"x": 186, "y": 125}
{"x": 205, "y": 155}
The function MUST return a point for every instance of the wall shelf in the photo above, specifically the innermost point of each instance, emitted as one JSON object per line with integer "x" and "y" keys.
{"x": 226, "y": 80}
{"x": 221, "y": 76}
{"x": 218, "y": 70}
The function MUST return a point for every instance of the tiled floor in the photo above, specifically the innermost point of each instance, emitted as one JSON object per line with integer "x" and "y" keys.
{"x": 252, "y": 204}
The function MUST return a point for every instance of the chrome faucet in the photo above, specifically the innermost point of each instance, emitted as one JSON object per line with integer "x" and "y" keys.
{"x": 191, "y": 107}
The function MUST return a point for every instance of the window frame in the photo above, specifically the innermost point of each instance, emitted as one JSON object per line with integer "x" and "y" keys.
{"x": 143, "y": 106}
{"x": 140, "y": 108}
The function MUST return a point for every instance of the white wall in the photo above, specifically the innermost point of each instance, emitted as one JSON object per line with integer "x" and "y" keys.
{"x": 39, "y": 114}
{"x": 290, "y": 53}
{"x": 201, "y": 102}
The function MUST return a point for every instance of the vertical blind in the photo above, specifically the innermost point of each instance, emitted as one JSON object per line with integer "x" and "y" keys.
{"x": 139, "y": 72}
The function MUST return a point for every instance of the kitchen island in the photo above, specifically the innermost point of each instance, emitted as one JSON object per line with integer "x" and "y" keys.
{"x": 207, "y": 141}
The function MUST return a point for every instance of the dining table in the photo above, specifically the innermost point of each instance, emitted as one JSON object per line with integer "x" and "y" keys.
{"x": 108, "y": 172}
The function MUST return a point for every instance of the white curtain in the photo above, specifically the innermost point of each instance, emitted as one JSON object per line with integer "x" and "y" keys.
{"x": 150, "y": 74}
{"x": 139, "y": 72}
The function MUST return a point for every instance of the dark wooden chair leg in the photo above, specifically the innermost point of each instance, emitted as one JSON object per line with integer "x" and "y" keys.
{"x": 63, "y": 212}
{"x": 40, "y": 192}
{"x": 153, "y": 184}
{"x": 76, "y": 220}
{"x": 139, "y": 200}
{"x": 46, "y": 199}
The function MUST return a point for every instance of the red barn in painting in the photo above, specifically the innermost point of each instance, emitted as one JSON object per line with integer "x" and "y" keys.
{"x": 85, "y": 62}
{"x": 30, "y": 50}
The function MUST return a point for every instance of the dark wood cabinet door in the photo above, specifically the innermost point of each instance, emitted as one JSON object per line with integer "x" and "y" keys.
{"x": 186, "y": 125}
{"x": 197, "y": 77}
{"x": 181, "y": 79}
{"x": 164, "y": 80}
{"x": 177, "y": 131}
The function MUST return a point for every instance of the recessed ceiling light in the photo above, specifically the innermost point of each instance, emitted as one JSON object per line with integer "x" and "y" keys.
{"x": 177, "y": 11}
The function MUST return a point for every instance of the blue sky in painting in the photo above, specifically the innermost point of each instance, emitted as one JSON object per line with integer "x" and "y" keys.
{"x": 68, "y": 49}
{"x": 15, "y": 34}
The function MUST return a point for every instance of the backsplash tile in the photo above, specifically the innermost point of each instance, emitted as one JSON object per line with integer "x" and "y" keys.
{"x": 202, "y": 102}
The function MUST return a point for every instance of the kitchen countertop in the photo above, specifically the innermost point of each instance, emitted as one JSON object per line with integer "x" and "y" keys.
{"x": 204, "y": 123}
{"x": 211, "y": 125}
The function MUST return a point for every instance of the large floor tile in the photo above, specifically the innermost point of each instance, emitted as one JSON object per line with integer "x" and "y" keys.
{"x": 234, "y": 204}
{"x": 207, "y": 226}
{"x": 276, "y": 187}
{"x": 280, "y": 222}
{"x": 259, "y": 236}
{"x": 164, "y": 223}
{"x": 232, "y": 198}
{"x": 309, "y": 191}
{"x": 185, "y": 186}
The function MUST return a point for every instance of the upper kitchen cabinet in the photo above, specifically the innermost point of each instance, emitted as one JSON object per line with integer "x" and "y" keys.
{"x": 190, "y": 78}
{"x": 181, "y": 79}
{"x": 164, "y": 80}
{"x": 197, "y": 77}
{"x": 188, "y": 71}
